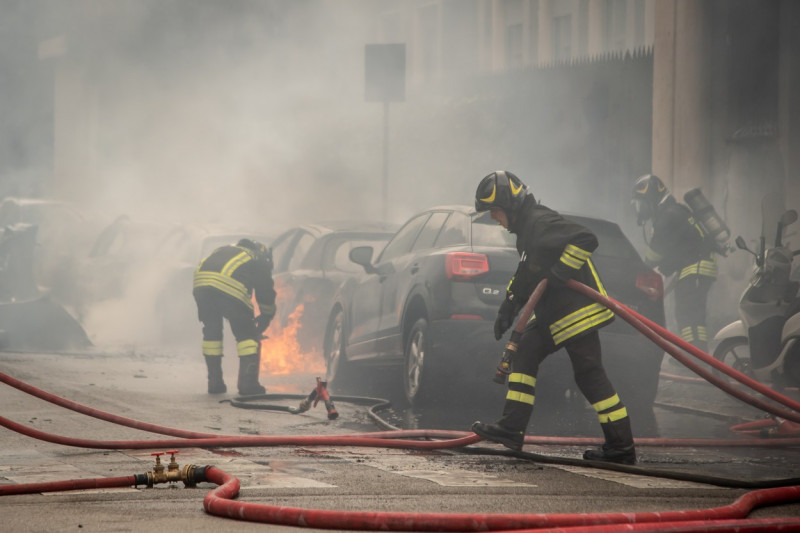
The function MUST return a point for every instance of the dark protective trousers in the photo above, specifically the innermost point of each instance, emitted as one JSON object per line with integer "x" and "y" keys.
{"x": 586, "y": 358}
{"x": 691, "y": 296}
{"x": 213, "y": 307}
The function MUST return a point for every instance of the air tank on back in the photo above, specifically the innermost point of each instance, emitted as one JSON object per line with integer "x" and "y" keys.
{"x": 707, "y": 216}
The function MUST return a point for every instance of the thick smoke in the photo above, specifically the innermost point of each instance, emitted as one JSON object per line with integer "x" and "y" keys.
{"x": 187, "y": 119}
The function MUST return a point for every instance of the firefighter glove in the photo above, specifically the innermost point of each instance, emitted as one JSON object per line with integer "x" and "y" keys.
{"x": 505, "y": 317}
{"x": 262, "y": 322}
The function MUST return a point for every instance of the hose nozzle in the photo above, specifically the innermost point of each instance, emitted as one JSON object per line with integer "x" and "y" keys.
{"x": 504, "y": 367}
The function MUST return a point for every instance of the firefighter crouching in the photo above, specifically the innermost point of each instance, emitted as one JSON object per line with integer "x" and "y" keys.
{"x": 553, "y": 248}
{"x": 678, "y": 246}
{"x": 224, "y": 283}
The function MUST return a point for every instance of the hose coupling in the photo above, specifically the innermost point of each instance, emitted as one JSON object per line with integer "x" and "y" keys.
{"x": 189, "y": 475}
{"x": 320, "y": 392}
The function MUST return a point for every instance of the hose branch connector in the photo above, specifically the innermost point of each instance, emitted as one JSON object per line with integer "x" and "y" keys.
{"x": 320, "y": 392}
{"x": 189, "y": 475}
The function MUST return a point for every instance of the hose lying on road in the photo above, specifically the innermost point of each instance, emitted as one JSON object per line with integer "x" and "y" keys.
{"x": 444, "y": 440}
{"x": 220, "y": 502}
{"x": 398, "y": 438}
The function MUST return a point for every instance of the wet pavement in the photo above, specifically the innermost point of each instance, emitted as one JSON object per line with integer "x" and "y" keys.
{"x": 167, "y": 387}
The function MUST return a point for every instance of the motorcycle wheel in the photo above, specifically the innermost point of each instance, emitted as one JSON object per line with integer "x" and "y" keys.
{"x": 734, "y": 352}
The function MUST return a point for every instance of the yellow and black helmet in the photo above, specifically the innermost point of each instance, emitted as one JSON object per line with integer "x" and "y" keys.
{"x": 648, "y": 191}
{"x": 261, "y": 251}
{"x": 502, "y": 190}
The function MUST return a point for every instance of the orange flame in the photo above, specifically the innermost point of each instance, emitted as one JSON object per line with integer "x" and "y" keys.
{"x": 281, "y": 353}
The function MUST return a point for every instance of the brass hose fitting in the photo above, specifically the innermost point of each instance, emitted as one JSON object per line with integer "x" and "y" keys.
{"x": 189, "y": 475}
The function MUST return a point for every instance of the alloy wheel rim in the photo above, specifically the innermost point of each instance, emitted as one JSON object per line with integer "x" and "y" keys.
{"x": 334, "y": 347}
{"x": 416, "y": 358}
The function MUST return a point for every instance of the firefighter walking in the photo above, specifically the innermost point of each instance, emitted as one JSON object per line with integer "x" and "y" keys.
{"x": 678, "y": 246}
{"x": 224, "y": 283}
{"x": 554, "y": 248}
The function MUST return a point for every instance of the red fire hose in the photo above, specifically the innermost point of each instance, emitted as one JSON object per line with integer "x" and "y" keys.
{"x": 70, "y": 484}
{"x": 220, "y": 502}
{"x": 671, "y": 344}
{"x": 388, "y": 439}
{"x": 97, "y": 413}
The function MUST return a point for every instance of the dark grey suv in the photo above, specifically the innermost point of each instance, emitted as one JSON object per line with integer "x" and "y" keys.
{"x": 426, "y": 306}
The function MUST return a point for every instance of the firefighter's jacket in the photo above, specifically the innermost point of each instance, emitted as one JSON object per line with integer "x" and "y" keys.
{"x": 239, "y": 272}
{"x": 678, "y": 243}
{"x": 548, "y": 242}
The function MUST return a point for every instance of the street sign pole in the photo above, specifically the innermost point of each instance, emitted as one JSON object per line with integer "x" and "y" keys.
{"x": 386, "y": 161}
{"x": 385, "y": 81}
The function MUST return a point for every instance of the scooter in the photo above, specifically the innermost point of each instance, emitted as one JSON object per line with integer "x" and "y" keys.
{"x": 765, "y": 342}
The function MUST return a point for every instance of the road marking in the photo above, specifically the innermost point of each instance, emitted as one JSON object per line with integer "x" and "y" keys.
{"x": 633, "y": 480}
{"x": 403, "y": 463}
{"x": 459, "y": 478}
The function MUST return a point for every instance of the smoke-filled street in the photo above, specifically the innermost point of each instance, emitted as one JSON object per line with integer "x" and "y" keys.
{"x": 157, "y": 388}
{"x": 407, "y": 265}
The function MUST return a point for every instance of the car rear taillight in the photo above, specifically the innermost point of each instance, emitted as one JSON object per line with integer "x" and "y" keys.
{"x": 650, "y": 283}
{"x": 464, "y": 265}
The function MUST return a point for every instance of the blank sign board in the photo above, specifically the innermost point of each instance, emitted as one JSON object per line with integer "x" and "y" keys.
{"x": 385, "y": 72}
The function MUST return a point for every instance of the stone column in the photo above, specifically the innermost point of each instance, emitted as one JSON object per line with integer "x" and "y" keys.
{"x": 680, "y": 125}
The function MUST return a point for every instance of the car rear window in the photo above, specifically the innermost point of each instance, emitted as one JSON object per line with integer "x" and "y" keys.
{"x": 612, "y": 241}
{"x": 487, "y": 232}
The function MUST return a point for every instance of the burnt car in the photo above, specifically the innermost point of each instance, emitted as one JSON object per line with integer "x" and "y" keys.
{"x": 310, "y": 262}
{"x": 426, "y": 304}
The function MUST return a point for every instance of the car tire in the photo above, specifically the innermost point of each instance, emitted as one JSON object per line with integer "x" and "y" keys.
{"x": 420, "y": 370}
{"x": 734, "y": 352}
{"x": 337, "y": 366}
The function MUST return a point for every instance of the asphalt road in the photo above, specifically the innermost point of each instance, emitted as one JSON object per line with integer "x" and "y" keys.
{"x": 167, "y": 387}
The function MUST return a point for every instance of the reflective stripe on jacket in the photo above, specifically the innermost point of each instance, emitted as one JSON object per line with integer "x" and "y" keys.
{"x": 548, "y": 242}
{"x": 678, "y": 243}
{"x": 238, "y": 272}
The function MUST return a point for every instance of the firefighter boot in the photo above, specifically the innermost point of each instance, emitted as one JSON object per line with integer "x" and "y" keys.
{"x": 618, "y": 447}
{"x": 249, "y": 366}
{"x": 215, "y": 383}
{"x": 497, "y": 433}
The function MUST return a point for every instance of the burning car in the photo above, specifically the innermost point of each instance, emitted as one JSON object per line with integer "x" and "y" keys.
{"x": 310, "y": 262}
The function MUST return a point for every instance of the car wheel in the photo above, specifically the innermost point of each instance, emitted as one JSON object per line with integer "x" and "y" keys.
{"x": 420, "y": 370}
{"x": 734, "y": 352}
{"x": 333, "y": 349}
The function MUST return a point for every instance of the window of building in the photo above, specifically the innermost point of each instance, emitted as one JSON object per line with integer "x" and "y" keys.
{"x": 514, "y": 46}
{"x": 562, "y": 37}
{"x": 639, "y": 22}
{"x": 583, "y": 28}
{"x": 616, "y": 21}
{"x": 533, "y": 41}
{"x": 429, "y": 40}
{"x": 393, "y": 27}
{"x": 512, "y": 22}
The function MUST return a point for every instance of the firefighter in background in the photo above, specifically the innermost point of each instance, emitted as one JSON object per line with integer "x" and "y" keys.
{"x": 679, "y": 246}
{"x": 224, "y": 284}
{"x": 554, "y": 248}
